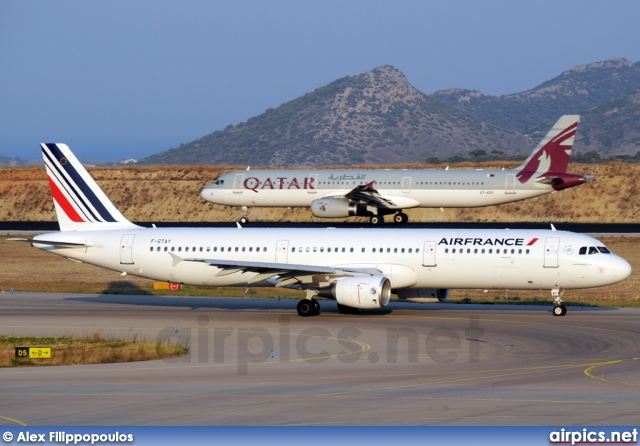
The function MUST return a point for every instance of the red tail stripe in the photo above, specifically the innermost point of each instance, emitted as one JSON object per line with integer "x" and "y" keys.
{"x": 533, "y": 240}
{"x": 64, "y": 203}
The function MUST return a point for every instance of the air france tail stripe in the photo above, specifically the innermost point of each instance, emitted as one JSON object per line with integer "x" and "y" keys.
{"x": 64, "y": 203}
{"x": 80, "y": 183}
{"x": 67, "y": 189}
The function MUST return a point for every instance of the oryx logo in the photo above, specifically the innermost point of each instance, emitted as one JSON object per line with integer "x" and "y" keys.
{"x": 553, "y": 156}
{"x": 323, "y": 208}
{"x": 373, "y": 291}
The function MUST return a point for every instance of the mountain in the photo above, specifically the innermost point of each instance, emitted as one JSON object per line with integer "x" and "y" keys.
{"x": 6, "y": 161}
{"x": 376, "y": 117}
{"x": 574, "y": 91}
{"x": 612, "y": 128}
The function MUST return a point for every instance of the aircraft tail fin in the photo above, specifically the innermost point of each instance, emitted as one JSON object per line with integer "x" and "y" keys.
{"x": 552, "y": 154}
{"x": 80, "y": 203}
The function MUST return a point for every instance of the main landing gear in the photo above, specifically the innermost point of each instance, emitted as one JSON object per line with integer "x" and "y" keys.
{"x": 308, "y": 307}
{"x": 559, "y": 309}
{"x": 400, "y": 218}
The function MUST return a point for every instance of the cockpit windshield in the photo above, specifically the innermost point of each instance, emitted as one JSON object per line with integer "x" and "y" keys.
{"x": 589, "y": 250}
{"x": 218, "y": 182}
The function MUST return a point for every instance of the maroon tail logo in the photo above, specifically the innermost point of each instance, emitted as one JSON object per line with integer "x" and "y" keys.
{"x": 553, "y": 157}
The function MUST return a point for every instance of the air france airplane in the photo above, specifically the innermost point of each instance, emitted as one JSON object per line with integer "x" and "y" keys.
{"x": 376, "y": 193}
{"x": 358, "y": 268}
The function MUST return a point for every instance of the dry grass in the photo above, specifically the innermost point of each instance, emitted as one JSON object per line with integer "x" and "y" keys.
{"x": 94, "y": 349}
{"x": 29, "y": 269}
{"x": 162, "y": 193}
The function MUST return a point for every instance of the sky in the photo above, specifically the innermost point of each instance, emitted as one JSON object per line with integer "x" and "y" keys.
{"x": 126, "y": 79}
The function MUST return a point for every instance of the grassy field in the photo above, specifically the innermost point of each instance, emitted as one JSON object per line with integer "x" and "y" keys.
{"x": 94, "y": 349}
{"x": 28, "y": 269}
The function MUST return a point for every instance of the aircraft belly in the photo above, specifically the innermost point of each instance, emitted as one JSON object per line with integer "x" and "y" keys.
{"x": 280, "y": 198}
{"x": 470, "y": 198}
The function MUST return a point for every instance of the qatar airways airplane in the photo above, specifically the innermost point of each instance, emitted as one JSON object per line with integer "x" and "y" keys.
{"x": 358, "y": 268}
{"x": 375, "y": 193}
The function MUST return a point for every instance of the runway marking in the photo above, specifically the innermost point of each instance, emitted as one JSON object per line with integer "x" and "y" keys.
{"x": 395, "y": 387}
{"x": 14, "y": 420}
{"x": 588, "y": 371}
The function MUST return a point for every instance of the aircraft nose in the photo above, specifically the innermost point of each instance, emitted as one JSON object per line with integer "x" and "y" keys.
{"x": 620, "y": 269}
{"x": 206, "y": 193}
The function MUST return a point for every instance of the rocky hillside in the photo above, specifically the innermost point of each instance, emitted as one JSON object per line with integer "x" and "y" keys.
{"x": 612, "y": 128}
{"x": 375, "y": 118}
{"x": 574, "y": 91}
{"x": 172, "y": 194}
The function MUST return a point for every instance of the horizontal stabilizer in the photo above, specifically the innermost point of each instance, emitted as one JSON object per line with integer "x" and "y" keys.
{"x": 56, "y": 243}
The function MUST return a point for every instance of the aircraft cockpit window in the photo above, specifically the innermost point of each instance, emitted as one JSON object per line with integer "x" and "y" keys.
{"x": 604, "y": 250}
{"x": 593, "y": 250}
{"x": 583, "y": 251}
{"x": 218, "y": 182}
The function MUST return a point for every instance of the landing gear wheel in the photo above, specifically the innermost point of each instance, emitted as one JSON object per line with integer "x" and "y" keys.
{"x": 377, "y": 220}
{"x": 559, "y": 310}
{"x": 306, "y": 307}
{"x": 316, "y": 307}
{"x": 400, "y": 218}
{"x": 344, "y": 309}
{"x": 244, "y": 220}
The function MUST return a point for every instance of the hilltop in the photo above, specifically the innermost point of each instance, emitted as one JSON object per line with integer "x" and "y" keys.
{"x": 372, "y": 118}
{"x": 378, "y": 117}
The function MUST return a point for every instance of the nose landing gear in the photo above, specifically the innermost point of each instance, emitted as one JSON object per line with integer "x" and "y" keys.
{"x": 559, "y": 309}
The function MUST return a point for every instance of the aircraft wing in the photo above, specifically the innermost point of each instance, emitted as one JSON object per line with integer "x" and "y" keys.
{"x": 366, "y": 194}
{"x": 286, "y": 274}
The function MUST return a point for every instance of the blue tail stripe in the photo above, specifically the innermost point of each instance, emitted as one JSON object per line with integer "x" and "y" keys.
{"x": 82, "y": 185}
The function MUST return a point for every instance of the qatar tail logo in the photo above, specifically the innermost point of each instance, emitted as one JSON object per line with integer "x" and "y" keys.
{"x": 552, "y": 157}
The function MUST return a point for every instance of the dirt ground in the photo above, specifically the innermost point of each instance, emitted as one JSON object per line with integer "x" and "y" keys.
{"x": 172, "y": 193}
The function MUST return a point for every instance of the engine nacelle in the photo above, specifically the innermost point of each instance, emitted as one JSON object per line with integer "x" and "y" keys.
{"x": 423, "y": 294}
{"x": 333, "y": 208}
{"x": 367, "y": 292}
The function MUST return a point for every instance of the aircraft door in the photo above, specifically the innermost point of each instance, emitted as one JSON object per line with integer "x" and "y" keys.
{"x": 406, "y": 185}
{"x": 126, "y": 249}
{"x": 282, "y": 251}
{"x": 510, "y": 184}
{"x": 311, "y": 183}
{"x": 237, "y": 183}
{"x": 551, "y": 251}
{"x": 429, "y": 254}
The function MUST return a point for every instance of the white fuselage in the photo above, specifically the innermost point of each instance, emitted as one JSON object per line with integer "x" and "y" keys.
{"x": 406, "y": 188}
{"x": 409, "y": 258}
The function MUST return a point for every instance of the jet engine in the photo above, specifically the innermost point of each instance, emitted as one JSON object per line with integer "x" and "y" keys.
{"x": 423, "y": 294}
{"x": 333, "y": 208}
{"x": 367, "y": 292}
